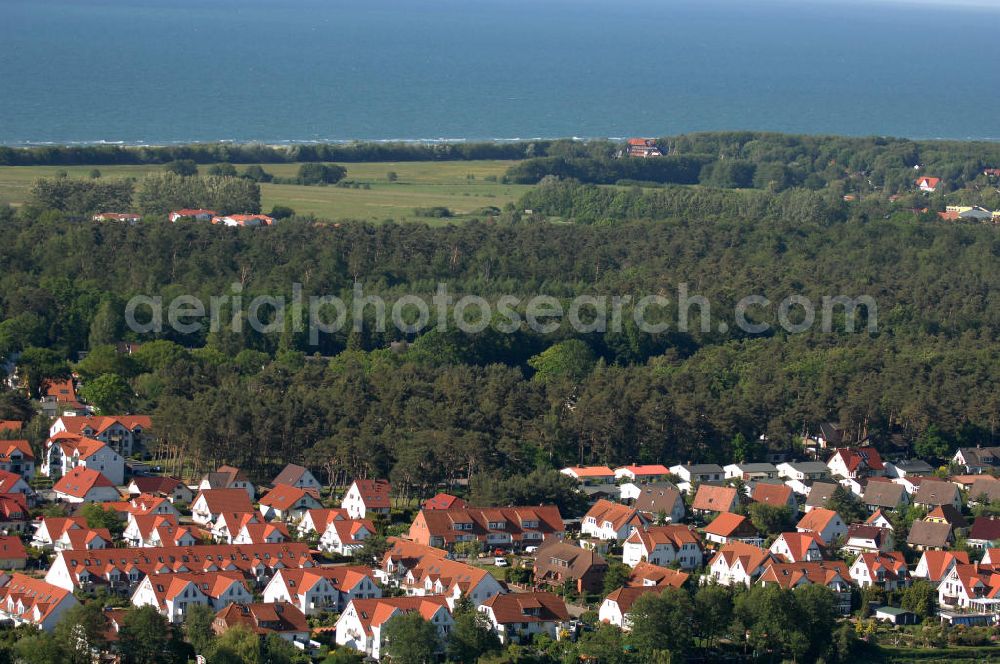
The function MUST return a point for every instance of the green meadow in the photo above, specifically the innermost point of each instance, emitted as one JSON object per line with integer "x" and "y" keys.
{"x": 464, "y": 187}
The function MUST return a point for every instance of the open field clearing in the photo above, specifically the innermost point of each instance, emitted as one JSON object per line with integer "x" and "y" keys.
{"x": 460, "y": 186}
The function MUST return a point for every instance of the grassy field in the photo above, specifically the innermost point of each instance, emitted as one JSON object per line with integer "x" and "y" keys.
{"x": 460, "y": 186}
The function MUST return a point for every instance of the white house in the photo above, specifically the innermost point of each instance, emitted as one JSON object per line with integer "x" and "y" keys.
{"x": 825, "y": 523}
{"x": 738, "y": 563}
{"x": 28, "y": 601}
{"x": 210, "y": 504}
{"x": 122, "y": 433}
{"x": 797, "y": 547}
{"x": 321, "y": 588}
{"x": 518, "y": 617}
{"x": 663, "y": 546}
{"x": 65, "y": 452}
{"x": 297, "y": 476}
{"x": 173, "y": 594}
{"x": 367, "y": 497}
{"x": 360, "y": 625}
{"x": 611, "y": 521}
{"x": 345, "y": 536}
{"x": 288, "y": 503}
{"x": 83, "y": 485}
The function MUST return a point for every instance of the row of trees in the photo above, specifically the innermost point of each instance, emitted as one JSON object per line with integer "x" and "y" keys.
{"x": 157, "y": 193}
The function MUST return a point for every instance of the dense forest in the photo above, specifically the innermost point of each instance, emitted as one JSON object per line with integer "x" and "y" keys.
{"x": 447, "y": 406}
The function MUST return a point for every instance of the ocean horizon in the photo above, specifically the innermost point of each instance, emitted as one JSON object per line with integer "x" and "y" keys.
{"x": 160, "y": 72}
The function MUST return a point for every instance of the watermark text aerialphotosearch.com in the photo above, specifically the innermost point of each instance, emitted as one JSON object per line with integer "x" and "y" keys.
{"x": 544, "y": 314}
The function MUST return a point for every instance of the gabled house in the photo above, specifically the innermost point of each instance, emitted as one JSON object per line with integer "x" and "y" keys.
{"x": 84, "y": 539}
{"x": 776, "y": 495}
{"x": 984, "y": 532}
{"x": 13, "y": 555}
{"x": 908, "y": 468}
{"x": 825, "y": 523}
{"x": 451, "y": 579}
{"x": 728, "y": 527}
{"x": 928, "y": 184}
{"x": 616, "y": 608}
{"x": 228, "y": 477}
{"x": 210, "y": 504}
{"x": 948, "y": 514}
{"x": 14, "y": 514}
{"x": 646, "y": 575}
{"x": 937, "y": 492}
{"x": 927, "y": 535}
{"x": 298, "y": 477}
{"x": 612, "y": 521}
{"x": 819, "y": 494}
{"x": 642, "y": 474}
{"x": 14, "y": 483}
{"x": 124, "y": 434}
{"x": 711, "y": 498}
{"x": 833, "y": 575}
{"x": 443, "y": 501}
{"x": 803, "y": 470}
{"x": 65, "y": 452}
{"x": 361, "y": 624}
{"x": 965, "y": 586}
{"x": 798, "y": 547}
{"x": 279, "y": 618}
{"x": 558, "y": 562}
{"x": 855, "y": 463}
{"x": 28, "y": 601}
{"x": 173, "y": 594}
{"x": 880, "y": 495}
{"x": 84, "y": 485}
{"x": 879, "y": 520}
{"x": 345, "y": 536}
{"x": 984, "y": 491}
{"x": 16, "y": 457}
{"x": 660, "y": 501}
{"x": 227, "y": 527}
{"x": 935, "y": 565}
{"x": 120, "y": 569}
{"x": 197, "y": 214}
{"x": 262, "y": 533}
{"x": 977, "y": 460}
{"x": 749, "y": 472}
{"x": 365, "y": 498}
{"x": 589, "y": 475}
{"x": 738, "y": 563}
{"x": 320, "y": 589}
{"x": 887, "y": 571}
{"x": 50, "y": 529}
{"x": 691, "y": 474}
{"x": 663, "y": 545}
{"x": 170, "y": 488}
{"x": 149, "y": 530}
{"x": 494, "y": 527}
{"x": 864, "y": 538}
{"x": 287, "y": 502}
{"x": 316, "y": 521}
{"x": 518, "y": 617}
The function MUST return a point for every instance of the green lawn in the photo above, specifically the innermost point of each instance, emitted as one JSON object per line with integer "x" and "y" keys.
{"x": 460, "y": 186}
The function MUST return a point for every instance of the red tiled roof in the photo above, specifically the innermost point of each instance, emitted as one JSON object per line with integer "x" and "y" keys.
{"x": 778, "y": 495}
{"x": 32, "y": 594}
{"x": 225, "y": 500}
{"x": 938, "y": 562}
{"x": 443, "y": 501}
{"x": 714, "y": 498}
{"x": 727, "y": 524}
{"x": 374, "y": 493}
{"x": 79, "y": 481}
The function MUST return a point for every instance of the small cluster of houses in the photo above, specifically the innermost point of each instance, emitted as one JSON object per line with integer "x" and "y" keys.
{"x": 970, "y": 213}
{"x": 690, "y": 515}
{"x": 242, "y": 220}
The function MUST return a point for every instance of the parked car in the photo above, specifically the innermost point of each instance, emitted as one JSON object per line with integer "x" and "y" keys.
{"x": 530, "y": 549}
{"x": 500, "y": 561}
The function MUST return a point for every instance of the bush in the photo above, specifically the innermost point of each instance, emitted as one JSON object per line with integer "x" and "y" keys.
{"x": 312, "y": 174}
{"x": 437, "y": 212}
{"x": 185, "y": 167}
